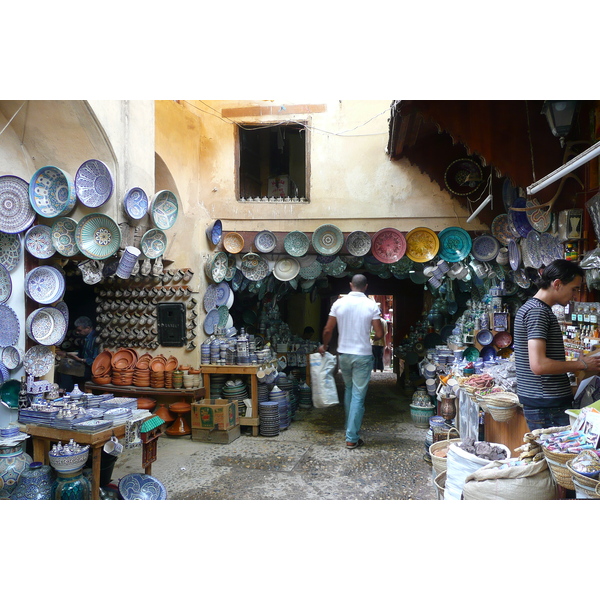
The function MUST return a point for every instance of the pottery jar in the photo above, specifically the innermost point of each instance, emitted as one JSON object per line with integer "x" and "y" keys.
{"x": 35, "y": 483}
{"x": 13, "y": 462}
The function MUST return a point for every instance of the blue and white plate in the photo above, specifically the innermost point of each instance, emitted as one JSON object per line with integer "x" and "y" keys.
{"x": 94, "y": 183}
{"x": 265, "y": 241}
{"x": 136, "y": 203}
{"x": 154, "y": 243}
{"x": 45, "y": 284}
{"x": 63, "y": 236}
{"x": 138, "y": 486}
{"x": 514, "y": 255}
{"x": 38, "y": 241}
{"x": 485, "y": 248}
{"x": 38, "y": 360}
{"x": 5, "y": 284}
{"x": 211, "y": 321}
{"x": 164, "y": 209}
{"x": 16, "y": 212}
{"x": 9, "y": 326}
{"x": 52, "y": 192}
{"x": 46, "y": 326}
{"x": 10, "y": 250}
{"x": 534, "y": 249}
{"x": 519, "y": 219}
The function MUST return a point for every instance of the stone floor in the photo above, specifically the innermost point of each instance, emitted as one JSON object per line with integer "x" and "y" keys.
{"x": 308, "y": 461}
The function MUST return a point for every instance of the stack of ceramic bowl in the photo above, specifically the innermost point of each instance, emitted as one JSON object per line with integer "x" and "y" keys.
{"x": 269, "y": 418}
{"x": 141, "y": 373}
{"x": 205, "y": 353}
{"x": 157, "y": 371}
{"x": 101, "y": 368}
{"x": 123, "y": 366}
{"x": 287, "y": 385}
{"x": 177, "y": 379}
{"x": 216, "y": 385}
{"x": 170, "y": 366}
{"x": 281, "y": 397}
{"x": 236, "y": 390}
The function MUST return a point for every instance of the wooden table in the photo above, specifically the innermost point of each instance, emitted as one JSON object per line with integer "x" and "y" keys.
{"x": 208, "y": 370}
{"x": 133, "y": 391}
{"x": 43, "y": 436}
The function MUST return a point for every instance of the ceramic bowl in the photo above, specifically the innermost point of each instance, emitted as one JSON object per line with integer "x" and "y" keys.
{"x": 233, "y": 242}
{"x": 136, "y": 203}
{"x": 16, "y": 212}
{"x": 52, "y": 192}
{"x": 46, "y": 326}
{"x": 138, "y": 486}
{"x": 163, "y": 209}
{"x": 94, "y": 183}
{"x": 265, "y": 241}
{"x": 70, "y": 462}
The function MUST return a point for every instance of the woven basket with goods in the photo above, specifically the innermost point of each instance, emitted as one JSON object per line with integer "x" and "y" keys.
{"x": 586, "y": 487}
{"x": 439, "y": 451}
{"x": 557, "y": 461}
{"x": 440, "y": 484}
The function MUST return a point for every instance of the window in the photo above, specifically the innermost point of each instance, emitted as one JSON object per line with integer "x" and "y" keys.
{"x": 272, "y": 162}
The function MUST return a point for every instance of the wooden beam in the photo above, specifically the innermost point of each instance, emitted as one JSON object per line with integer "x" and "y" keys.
{"x": 261, "y": 111}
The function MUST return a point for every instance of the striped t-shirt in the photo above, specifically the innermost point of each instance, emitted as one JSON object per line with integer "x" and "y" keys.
{"x": 535, "y": 320}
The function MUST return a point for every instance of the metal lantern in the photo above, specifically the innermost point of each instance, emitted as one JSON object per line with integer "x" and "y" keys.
{"x": 560, "y": 115}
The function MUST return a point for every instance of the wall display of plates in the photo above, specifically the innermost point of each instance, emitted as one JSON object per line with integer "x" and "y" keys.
{"x": 38, "y": 241}
{"x": 97, "y": 236}
{"x": 388, "y": 245}
{"x": 10, "y": 250}
{"x": 358, "y": 243}
{"x": 265, "y": 241}
{"x": 9, "y": 326}
{"x": 514, "y": 255}
{"x": 286, "y": 268}
{"x": 46, "y": 326}
{"x": 233, "y": 242}
{"x": 540, "y": 219}
{"x": 45, "y": 284}
{"x": 94, "y": 183}
{"x": 164, "y": 209}
{"x": 12, "y": 357}
{"x": 311, "y": 271}
{"x": 327, "y": 239}
{"x": 422, "y": 244}
{"x": 38, "y": 360}
{"x": 485, "y": 248}
{"x": 254, "y": 267}
{"x": 509, "y": 193}
{"x": 519, "y": 219}
{"x": 63, "y": 236}
{"x": 154, "y": 243}
{"x": 136, "y": 203}
{"x": 16, "y": 212}
{"x": 52, "y": 192}
{"x": 5, "y": 284}
{"x": 463, "y": 176}
{"x": 501, "y": 229}
{"x": 455, "y": 244}
{"x": 533, "y": 249}
{"x": 296, "y": 243}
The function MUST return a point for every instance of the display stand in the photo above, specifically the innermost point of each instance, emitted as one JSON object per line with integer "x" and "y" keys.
{"x": 208, "y": 370}
{"x": 133, "y": 391}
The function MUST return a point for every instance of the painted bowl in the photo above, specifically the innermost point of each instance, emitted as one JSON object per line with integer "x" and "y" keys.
{"x": 138, "y": 486}
{"x": 16, "y": 212}
{"x": 98, "y": 236}
{"x": 70, "y": 462}
{"x": 328, "y": 239}
{"x": 214, "y": 232}
{"x": 164, "y": 209}
{"x": 94, "y": 183}
{"x": 233, "y": 242}
{"x": 52, "y": 192}
{"x": 265, "y": 241}
{"x": 296, "y": 243}
{"x": 136, "y": 203}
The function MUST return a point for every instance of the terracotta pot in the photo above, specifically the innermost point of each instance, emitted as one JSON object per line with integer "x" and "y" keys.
{"x": 146, "y": 403}
{"x": 163, "y": 412}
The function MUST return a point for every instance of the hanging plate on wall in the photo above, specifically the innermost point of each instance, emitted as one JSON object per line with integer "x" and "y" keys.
{"x": 455, "y": 244}
{"x": 388, "y": 245}
{"x": 422, "y": 244}
{"x": 463, "y": 176}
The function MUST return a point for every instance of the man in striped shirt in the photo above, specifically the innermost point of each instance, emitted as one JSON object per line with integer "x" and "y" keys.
{"x": 543, "y": 383}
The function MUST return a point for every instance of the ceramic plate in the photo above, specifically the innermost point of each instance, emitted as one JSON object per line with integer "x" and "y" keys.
{"x": 358, "y": 243}
{"x": 222, "y": 293}
{"x": 334, "y": 268}
{"x": 551, "y": 248}
{"x": 327, "y": 239}
{"x": 287, "y": 268}
{"x": 233, "y": 242}
{"x": 45, "y": 284}
{"x": 46, "y": 326}
{"x": 16, "y": 212}
{"x": 254, "y": 267}
{"x": 519, "y": 218}
{"x": 501, "y": 229}
{"x": 98, "y": 236}
{"x": 211, "y": 321}
{"x": 514, "y": 255}
{"x": 422, "y": 244}
{"x": 38, "y": 360}
{"x": 455, "y": 244}
{"x": 94, "y": 183}
{"x": 210, "y": 297}
{"x": 9, "y": 326}
{"x": 503, "y": 339}
{"x": 484, "y": 337}
{"x": 38, "y": 241}
{"x": 463, "y": 176}
{"x": 471, "y": 354}
{"x": 488, "y": 353}
{"x": 64, "y": 309}
{"x": 311, "y": 271}
{"x": 154, "y": 243}
{"x": 5, "y": 284}
{"x": 296, "y": 243}
{"x": 138, "y": 486}
{"x": 540, "y": 219}
{"x": 52, "y": 192}
{"x": 509, "y": 193}
{"x": 63, "y": 236}
{"x": 388, "y": 245}
{"x": 10, "y": 250}
{"x": 12, "y": 357}
{"x": 533, "y": 249}
{"x": 218, "y": 267}
{"x": 403, "y": 266}
{"x": 265, "y": 241}
{"x": 164, "y": 209}
{"x": 136, "y": 203}
{"x": 485, "y": 248}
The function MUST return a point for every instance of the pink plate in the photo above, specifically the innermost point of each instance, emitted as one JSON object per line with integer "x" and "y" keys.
{"x": 388, "y": 245}
{"x": 503, "y": 339}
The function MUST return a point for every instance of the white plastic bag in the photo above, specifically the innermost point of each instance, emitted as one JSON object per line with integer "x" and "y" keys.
{"x": 322, "y": 382}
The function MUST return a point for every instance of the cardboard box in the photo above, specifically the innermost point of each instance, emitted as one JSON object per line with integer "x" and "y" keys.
{"x": 215, "y": 414}
{"x": 216, "y": 437}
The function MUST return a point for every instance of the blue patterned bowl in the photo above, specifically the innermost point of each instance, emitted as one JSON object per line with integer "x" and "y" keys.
{"x": 138, "y": 486}
{"x": 52, "y": 192}
{"x": 69, "y": 462}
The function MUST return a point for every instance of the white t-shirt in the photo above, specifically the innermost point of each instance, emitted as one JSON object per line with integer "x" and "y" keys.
{"x": 354, "y": 314}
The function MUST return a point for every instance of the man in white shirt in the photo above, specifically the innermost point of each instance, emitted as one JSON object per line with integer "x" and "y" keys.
{"x": 354, "y": 315}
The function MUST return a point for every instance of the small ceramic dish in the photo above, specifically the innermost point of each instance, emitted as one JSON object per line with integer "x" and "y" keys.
{"x": 233, "y": 242}
{"x": 265, "y": 241}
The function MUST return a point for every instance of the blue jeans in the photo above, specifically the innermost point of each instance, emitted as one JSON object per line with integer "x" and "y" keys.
{"x": 543, "y": 418}
{"x": 356, "y": 372}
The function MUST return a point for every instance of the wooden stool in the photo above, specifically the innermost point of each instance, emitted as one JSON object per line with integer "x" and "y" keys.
{"x": 180, "y": 426}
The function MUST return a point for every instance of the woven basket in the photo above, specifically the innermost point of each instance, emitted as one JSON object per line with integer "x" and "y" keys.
{"x": 585, "y": 487}
{"x": 557, "y": 461}
{"x": 440, "y": 463}
{"x": 440, "y": 485}
{"x": 502, "y": 399}
{"x": 501, "y": 413}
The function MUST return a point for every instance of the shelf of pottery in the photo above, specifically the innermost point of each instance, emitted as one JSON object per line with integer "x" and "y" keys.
{"x": 127, "y": 309}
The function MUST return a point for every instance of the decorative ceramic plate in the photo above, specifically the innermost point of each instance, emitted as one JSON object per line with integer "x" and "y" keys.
{"x": 10, "y": 250}
{"x": 136, "y": 203}
{"x": 9, "y": 326}
{"x": 211, "y": 321}
{"x": 311, "y": 271}
{"x": 97, "y": 236}
{"x": 471, "y": 354}
{"x": 551, "y": 248}
{"x": 218, "y": 267}
{"x": 502, "y": 339}
{"x": 214, "y": 232}
{"x": 463, "y": 176}
{"x": 488, "y": 354}
{"x": 533, "y": 249}
{"x": 45, "y": 284}
{"x": 164, "y": 209}
{"x": 265, "y": 241}
{"x": 286, "y": 268}
{"x": 223, "y": 316}
{"x": 484, "y": 337}
{"x": 12, "y": 357}
{"x": 455, "y": 244}
{"x": 388, "y": 245}
{"x": 296, "y": 243}
{"x": 501, "y": 229}
{"x": 52, "y": 192}
{"x": 403, "y": 266}
{"x": 254, "y": 267}
{"x": 327, "y": 239}
{"x": 354, "y": 262}
{"x": 16, "y": 212}
{"x": 233, "y": 242}
{"x": 38, "y": 241}
{"x": 519, "y": 219}
{"x": 63, "y": 236}
{"x": 514, "y": 255}
{"x": 222, "y": 293}
{"x": 64, "y": 309}
{"x": 540, "y": 219}
{"x": 154, "y": 243}
{"x": 210, "y": 297}
{"x": 5, "y": 284}
{"x": 38, "y": 360}
{"x": 138, "y": 486}
{"x": 238, "y": 279}
{"x": 509, "y": 193}
{"x": 94, "y": 183}
{"x": 358, "y": 243}
{"x": 46, "y": 326}
{"x": 422, "y": 244}
{"x": 485, "y": 248}
{"x": 334, "y": 268}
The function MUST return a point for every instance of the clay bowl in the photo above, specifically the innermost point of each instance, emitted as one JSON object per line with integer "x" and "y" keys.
{"x": 171, "y": 364}
{"x": 158, "y": 363}
{"x": 146, "y": 403}
{"x": 102, "y": 363}
{"x": 124, "y": 358}
{"x": 104, "y": 380}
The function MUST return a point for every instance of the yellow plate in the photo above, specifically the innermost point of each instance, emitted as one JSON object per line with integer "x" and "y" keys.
{"x": 422, "y": 244}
